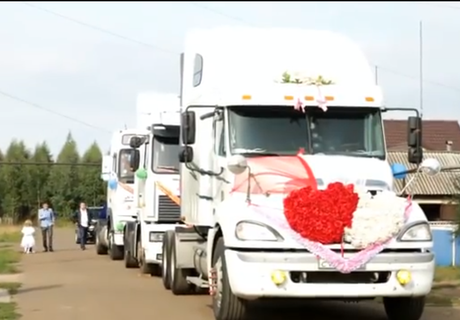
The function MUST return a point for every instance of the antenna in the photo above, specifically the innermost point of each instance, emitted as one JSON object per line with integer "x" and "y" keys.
{"x": 376, "y": 73}
{"x": 421, "y": 66}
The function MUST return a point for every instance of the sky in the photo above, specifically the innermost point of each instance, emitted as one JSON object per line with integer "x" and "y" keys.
{"x": 65, "y": 74}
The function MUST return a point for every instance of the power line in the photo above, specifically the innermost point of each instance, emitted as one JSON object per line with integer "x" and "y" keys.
{"x": 51, "y": 164}
{"x": 35, "y": 105}
{"x": 100, "y": 29}
{"x": 440, "y": 5}
{"x": 97, "y": 28}
{"x": 213, "y": 10}
{"x": 375, "y": 65}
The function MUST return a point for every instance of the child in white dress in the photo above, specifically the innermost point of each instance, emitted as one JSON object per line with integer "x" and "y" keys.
{"x": 28, "y": 239}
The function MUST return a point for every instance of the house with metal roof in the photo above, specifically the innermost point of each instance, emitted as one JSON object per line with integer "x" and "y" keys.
{"x": 440, "y": 140}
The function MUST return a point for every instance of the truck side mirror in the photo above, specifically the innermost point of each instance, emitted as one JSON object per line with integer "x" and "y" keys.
{"x": 134, "y": 161}
{"x": 186, "y": 154}
{"x": 188, "y": 127}
{"x": 135, "y": 142}
{"x": 414, "y": 140}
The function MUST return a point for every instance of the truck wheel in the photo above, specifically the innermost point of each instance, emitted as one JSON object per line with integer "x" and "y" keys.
{"x": 146, "y": 268}
{"x": 224, "y": 303}
{"x": 130, "y": 261}
{"x": 100, "y": 249}
{"x": 115, "y": 252}
{"x": 166, "y": 259}
{"x": 179, "y": 284}
{"x": 410, "y": 308}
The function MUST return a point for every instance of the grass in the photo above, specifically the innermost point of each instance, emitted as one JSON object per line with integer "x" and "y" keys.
{"x": 8, "y": 311}
{"x": 8, "y": 261}
{"x": 12, "y": 287}
{"x": 447, "y": 274}
{"x": 10, "y": 234}
{"x": 64, "y": 223}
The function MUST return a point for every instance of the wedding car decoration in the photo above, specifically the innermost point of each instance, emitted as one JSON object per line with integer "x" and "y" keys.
{"x": 298, "y": 78}
{"x": 337, "y": 215}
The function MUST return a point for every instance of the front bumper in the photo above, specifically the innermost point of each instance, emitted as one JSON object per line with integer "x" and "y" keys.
{"x": 250, "y": 276}
{"x": 153, "y": 252}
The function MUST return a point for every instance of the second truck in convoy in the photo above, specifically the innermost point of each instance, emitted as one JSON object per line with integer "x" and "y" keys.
{"x": 156, "y": 200}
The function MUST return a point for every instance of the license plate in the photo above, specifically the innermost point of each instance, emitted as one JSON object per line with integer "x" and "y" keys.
{"x": 323, "y": 264}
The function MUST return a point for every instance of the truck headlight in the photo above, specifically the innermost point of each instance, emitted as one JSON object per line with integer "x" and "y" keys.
{"x": 156, "y": 236}
{"x": 256, "y": 231}
{"x": 418, "y": 232}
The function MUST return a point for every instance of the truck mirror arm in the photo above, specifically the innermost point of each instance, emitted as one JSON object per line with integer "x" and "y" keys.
{"x": 205, "y": 172}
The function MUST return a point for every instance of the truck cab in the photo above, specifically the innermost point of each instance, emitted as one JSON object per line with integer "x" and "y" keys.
{"x": 118, "y": 171}
{"x": 259, "y": 121}
{"x": 156, "y": 184}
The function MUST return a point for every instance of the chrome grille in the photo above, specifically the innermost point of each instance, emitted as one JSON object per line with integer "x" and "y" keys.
{"x": 168, "y": 210}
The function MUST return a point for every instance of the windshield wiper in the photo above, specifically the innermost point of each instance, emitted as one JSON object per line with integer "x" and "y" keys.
{"x": 254, "y": 152}
{"x": 168, "y": 168}
{"x": 359, "y": 154}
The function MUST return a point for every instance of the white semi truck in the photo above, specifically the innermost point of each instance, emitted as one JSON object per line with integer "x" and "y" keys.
{"x": 254, "y": 100}
{"x": 117, "y": 170}
{"x": 156, "y": 187}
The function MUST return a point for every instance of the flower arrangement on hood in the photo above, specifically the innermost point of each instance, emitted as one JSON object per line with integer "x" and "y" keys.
{"x": 376, "y": 219}
{"x": 298, "y": 78}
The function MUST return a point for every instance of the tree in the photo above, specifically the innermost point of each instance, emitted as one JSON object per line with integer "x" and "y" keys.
{"x": 16, "y": 195}
{"x": 64, "y": 179}
{"x": 29, "y": 178}
{"x": 2, "y": 184}
{"x": 39, "y": 174}
{"x": 92, "y": 188}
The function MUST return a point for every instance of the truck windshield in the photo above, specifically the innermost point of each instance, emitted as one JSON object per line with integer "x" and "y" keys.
{"x": 165, "y": 155}
{"x": 283, "y": 131}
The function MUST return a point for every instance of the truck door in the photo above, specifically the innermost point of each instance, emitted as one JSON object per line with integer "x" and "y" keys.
{"x": 219, "y": 156}
{"x": 106, "y": 169}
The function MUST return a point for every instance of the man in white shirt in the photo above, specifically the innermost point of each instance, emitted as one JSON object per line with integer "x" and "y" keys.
{"x": 82, "y": 219}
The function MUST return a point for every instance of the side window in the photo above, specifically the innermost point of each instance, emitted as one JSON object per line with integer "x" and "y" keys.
{"x": 115, "y": 164}
{"x": 125, "y": 172}
{"x": 221, "y": 138}
{"x": 222, "y": 149}
{"x": 197, "y": 70}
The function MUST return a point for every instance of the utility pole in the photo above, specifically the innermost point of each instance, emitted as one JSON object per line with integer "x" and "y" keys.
{"x": 421, "y": 66}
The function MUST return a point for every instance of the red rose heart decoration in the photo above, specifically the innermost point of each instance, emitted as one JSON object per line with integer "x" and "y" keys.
{"x": 321, "y": 215}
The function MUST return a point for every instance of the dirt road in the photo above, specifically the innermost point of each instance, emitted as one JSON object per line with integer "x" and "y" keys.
{"x": 79, "y": 285}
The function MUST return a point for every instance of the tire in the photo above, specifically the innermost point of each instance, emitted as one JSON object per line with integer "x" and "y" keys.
{"x": 115, "y": 252}
{"x": 410, "y": 308}
{"x": 179, "y": 284}
{"x": 130, "y": 261}
{"x": 146, "y": 268}
{"x": 166, "y": 259}
{"x": 230, "y": 307}
{"x": 100, "y": 248}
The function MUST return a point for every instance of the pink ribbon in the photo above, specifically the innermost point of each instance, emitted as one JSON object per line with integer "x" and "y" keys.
{"x": 336, "y": 260}
{"x": 321, "y": 100}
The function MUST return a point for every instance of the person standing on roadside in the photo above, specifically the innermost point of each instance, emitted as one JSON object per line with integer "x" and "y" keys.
{"x": 82, "y": 218}
{"x": 46, "y": 217}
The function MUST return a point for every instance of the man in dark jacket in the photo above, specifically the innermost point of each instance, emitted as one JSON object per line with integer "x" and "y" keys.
{"x": 82, "y": 219}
